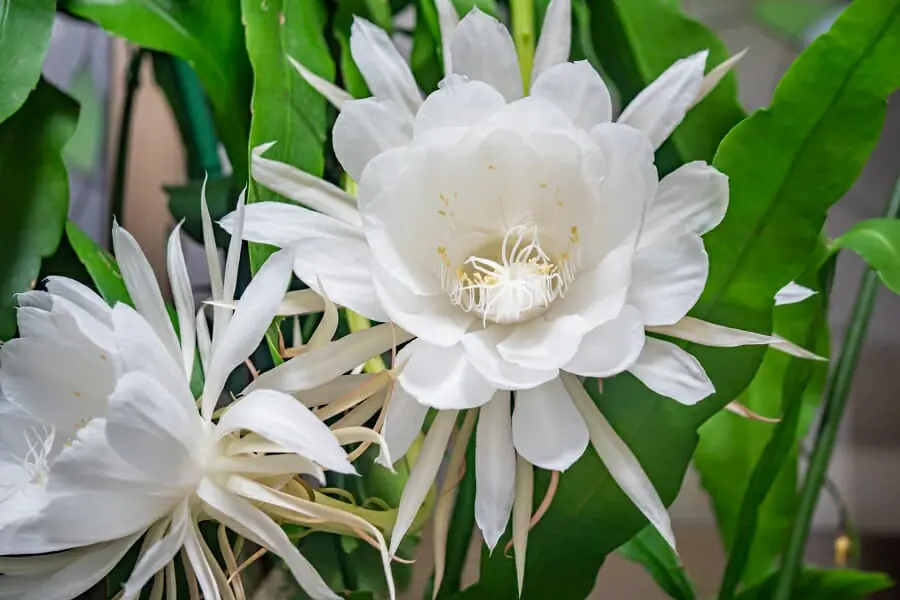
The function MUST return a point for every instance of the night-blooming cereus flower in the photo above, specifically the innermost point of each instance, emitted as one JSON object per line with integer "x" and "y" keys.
{"x": 524, "y": 241}
{"x": 156, "y": 465}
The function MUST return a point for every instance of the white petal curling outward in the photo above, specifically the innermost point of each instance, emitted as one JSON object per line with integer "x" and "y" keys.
{"x": 578, "y": 90}
{"x": 715, "y": 75}
{"x": 442, "y": 377}
{"x": 793, "y": 293}
{"x": 556, "y": 38}
{"x": 668, "y": 279}
{"x": 335, "y": 95}
{"x": 366, "y": 128}
{"x": 301, "y": 187}
{"x": 294, "y": 303}
{"x": 611, "y": 347}
{"x": 710, "y": 334}
{"x": 620, "y": 461}
{"x": 422, "y": 474}
{"x": 659, "y": 108}
{"x": 402, "y": 423}
{"x": 183, "y": 297}
{"x": 547, "y": 430}
{"x": 448, "y": 19}
{"x": 248, "y": 325}
{"x": 483, "y": 50}
{"x": 670, "y": 371}
{"x": 386, "y": 73}
{"x": 495, "y": 468}
{"x": 690, "y": 199}
{"x": 321, "y": 365}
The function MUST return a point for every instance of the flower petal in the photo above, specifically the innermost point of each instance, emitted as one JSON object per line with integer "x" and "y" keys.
{"x": 659, "y": 108}
{"x": 793, "y": 293}
{"x": 365, "y": 129}
{"x": 621, "y": 463}
{"x": 691, "y": 199}
{"x": 543, "y": 343}
{"x": 160, "y": 554}
{"x": 547, "y": 429}
{"x": 448, "y": 20}
{"x": 715, "y": 75}
{"x": 599, "y": 294}
{"x": 402, "y": 424}
{"x": 670, "y": 371}
{"x": 495, "y": 468}
{"x": 80, "y": 295}
{"x": 578, "y": 91}
{"x": 522, "y": 515}
{"x": 386, "y": 73}
{"x": 201, "y": 567}
{"x": 280, "y": 224}
{"x": 184, "y": 299}
{"x": 481, "y": 349}
{"x": 442, "y": 377}
{"x": 459, "y": 102}
{"x": 611, "y": 347}
{"x": 668, "y": 279}
{"x": 335, "y": 95}
{"x": 556, "y": 38}
{"x": 483, "y": 50}
{"x": 422, "y": 474}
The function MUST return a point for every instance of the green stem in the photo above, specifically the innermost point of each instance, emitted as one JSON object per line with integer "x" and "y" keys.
{"x": 523, "y": 36}
{"x": 132, "y": 83}
{"x": 838, "y": 391}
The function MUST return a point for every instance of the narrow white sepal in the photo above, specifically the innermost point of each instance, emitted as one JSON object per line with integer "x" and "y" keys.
{"x": 335, "y": 95}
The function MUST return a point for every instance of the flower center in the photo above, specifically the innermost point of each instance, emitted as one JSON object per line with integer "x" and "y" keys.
{"x": 36, "y": 462}
{"x": 509, "y": 281}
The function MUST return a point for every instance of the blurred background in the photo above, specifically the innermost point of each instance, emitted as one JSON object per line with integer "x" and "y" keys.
{"x": 866, "y": 468}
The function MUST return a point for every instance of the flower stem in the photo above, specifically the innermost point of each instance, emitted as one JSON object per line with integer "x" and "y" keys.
{"x": 838, "y": 391}
{"x": 523, "y": 36}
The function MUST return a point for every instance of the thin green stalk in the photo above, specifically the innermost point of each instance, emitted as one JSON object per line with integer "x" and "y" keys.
{"x": 838, "y": 391}
{"x": 523, "y": 36}
{"x": 132, "y": 83}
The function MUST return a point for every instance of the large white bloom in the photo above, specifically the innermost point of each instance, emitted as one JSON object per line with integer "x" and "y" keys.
{"x": 153, "y": 465}
{"x": 524, "y": 241}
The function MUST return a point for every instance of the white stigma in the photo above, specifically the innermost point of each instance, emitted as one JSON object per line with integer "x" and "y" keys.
{"x": 517, "y": 285}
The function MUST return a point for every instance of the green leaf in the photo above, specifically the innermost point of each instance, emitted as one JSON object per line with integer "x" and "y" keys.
{"x": 286, "y": 109}
{"x": 818, "y": 584}
{"x": 424, "y": 60}
{"x": 25, "y": 27}
{"x": 636, "y": 40}
{"x": 877, "y": 241}
{"x": 789, "y": 163}
{"x": 649, "y": 549}
{"x": 205, "y": 33}
{"x": 100, "y": 265}
{"x": 793, "y": 17}
{"x": 36, "y": 195}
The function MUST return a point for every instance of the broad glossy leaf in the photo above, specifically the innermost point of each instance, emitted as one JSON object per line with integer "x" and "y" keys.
{"x": 36, "y": 194}
{"x": 819, "y": 584}
{"x": 651, "y": 550}
{"x": 25, "y": 27}
{"x": 205, "y": 33}
{"x": 789, "y": 163}
{"x": 636, "y": 40}
{"x": 286, "y": 109}
{"x": 100, "y": 264}
{"x": 877, "y": 241}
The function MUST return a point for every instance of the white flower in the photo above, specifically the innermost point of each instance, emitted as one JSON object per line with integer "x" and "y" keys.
{"x": 154, "y": 465}
{"x": 524, "y": 241}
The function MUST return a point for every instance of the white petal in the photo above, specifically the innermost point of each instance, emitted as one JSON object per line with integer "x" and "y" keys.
{"x": 335, "y": 95}
{"x": 556, "y": 38}
{"x": 321, "y": 365}
{"x": 422, "y": 475}
{"x": 281, "y": 419}
{"x": 547, "y": 429}
{"x": 578, "y": 91}
{"x": 659, "y": 108}
{"x": 712, "y": 79}
{"x": 269, "y": 534}
{"x": 210, "y": 248}
{"x": 144, "y": 289}
{"x": 543, "y": 343}
{"x": 793, "y": 293}
{"x": 611, "y": 347}
{"x": 458, "y": 102}
{"x": 668, "y": 279}
{"x": 43, "y": 315}
{"x": 339, "y": 388}
{"x": 710, "y": 334}
{"x": 280, "y": 224}
{"x": 691, "y": 199}
{"x": 442, "y": 377}
{"x": 598, "y": 295}
{"x": 495, "y": 468}
{"x": 402, "y": 424}
{"x": 621, "y": 463}
{"x": 248, "y": 325}
{"x": 448, "y": 20}
{"x": 184, "y": 298}
{"x": 200, "y": 566}
{"x": 670, "y": 371}
{"x": 300, "y": 186}
{"x": 204, "y": 341}
{"x": 160, "y": 554}
{"x": 365, "y": 129}
{"x": 522, "y": 515}
{"x": 481, "y": 349}
{"x": 80, "y": 295}
{"x": 483, "y": 50}
{"x": 386, "y": 73}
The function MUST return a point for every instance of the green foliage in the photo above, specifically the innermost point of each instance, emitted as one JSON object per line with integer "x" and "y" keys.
{"x": 651, "y": 550}
{"x": 36, "y": 194}
{"x": 100, "y": 264}
{"x": 184, "y": 204}
{"x": 25, "y": 27}
{"x": 877, "y": 241}
{"x": 818, "y": 584}
{"x": 205, "y": 33}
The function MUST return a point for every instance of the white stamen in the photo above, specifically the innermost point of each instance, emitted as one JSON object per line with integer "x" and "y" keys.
{"x": 36, "y": 462}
